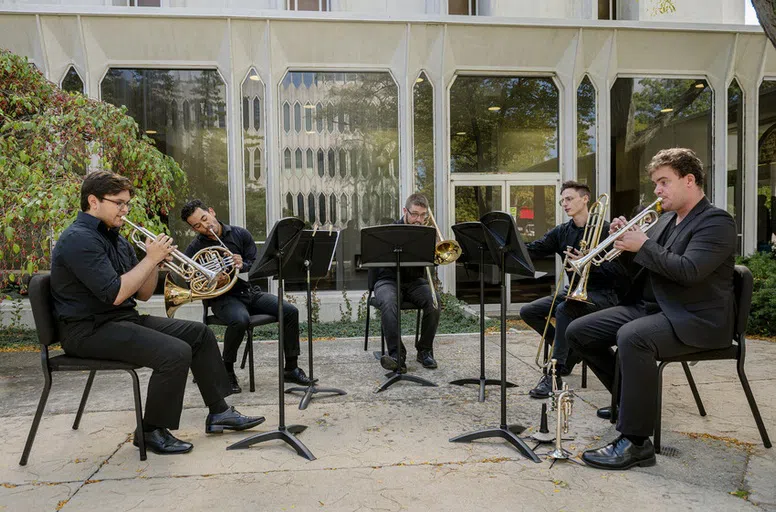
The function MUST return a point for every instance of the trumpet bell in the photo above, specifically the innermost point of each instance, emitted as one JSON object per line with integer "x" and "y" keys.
{"x": 446, "y": 251}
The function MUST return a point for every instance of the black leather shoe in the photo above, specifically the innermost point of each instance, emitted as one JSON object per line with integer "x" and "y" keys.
{"x": 621, "y": 454}
{"x": 392, "y": 365}
{"x": 230, "y": 419}
{"x": 298, "y": 376}
{"x": 233, "y": 381}
{"x": 544, "y": 388}
{"x": 426, "y": 358}
{"x": 605, "y": 413}
{"x": 161, "y": 441}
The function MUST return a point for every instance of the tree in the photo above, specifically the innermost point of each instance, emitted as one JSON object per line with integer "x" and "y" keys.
{"x": 48, "y": 139}
{"x": 766, "y": 15}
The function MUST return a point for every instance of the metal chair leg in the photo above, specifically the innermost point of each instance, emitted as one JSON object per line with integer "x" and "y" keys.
{"x": 36, "y": 420}
{"x": 752, "y": 404}
{"x": 138, "y": 414}
{"x": 659, "y": 406}
{"x": 584, "y": 374}
{"x": 693, "y": 388}
{"x": 615, "y": 391}
{"x": 249, "y": 348}
{"x": 245, "y": 357}
{"x": 85, "y": 396}
{"x": 366, "y": 331}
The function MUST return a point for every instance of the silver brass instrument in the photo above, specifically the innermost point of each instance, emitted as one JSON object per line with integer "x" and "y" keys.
{"x": 563, "y": 404}
{"x": 210, "y": 273}
{"x": 605, "y": 251}
{"x": 445, "y": 252}
{"x": 590, "y": 237}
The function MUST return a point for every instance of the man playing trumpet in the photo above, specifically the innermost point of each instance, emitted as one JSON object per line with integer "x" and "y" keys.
{"x": 95, "y": 279}
{"x": 235, "y": 307}
{"x": 416, "y": 289}
{"x": 681, "y": 301}
{"x": 564, "y": 240}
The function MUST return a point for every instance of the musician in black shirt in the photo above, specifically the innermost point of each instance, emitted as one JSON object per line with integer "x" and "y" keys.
{"x": 95, "y": 279}
{"x": 601, "y": 286}
{"x": 237, "y": 305}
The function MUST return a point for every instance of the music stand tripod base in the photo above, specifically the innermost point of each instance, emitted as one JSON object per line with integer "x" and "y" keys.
{"x": 285, "y": 434}
{"x": 504, "y": 432}
{"x": 394, "y": 377}
{"x": 311, "y": 390}
{"x": 482, "y": 383}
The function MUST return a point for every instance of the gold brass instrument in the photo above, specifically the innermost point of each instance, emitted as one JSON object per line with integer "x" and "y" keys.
{"x": 445, "y": 252}
{"x": 602, "y": 252}
{"x": 563, "y": 404}
{"x": 209, "y": 273}
{"x": 591, "y": 235}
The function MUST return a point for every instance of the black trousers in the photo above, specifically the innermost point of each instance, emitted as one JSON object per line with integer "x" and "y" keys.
{"x": 235, "y": 311}
{"x": 169, "y": 347}
{"x": 642, "y": 334}
{"x": 535, "y": 315}
{"x": 417, "y": 292}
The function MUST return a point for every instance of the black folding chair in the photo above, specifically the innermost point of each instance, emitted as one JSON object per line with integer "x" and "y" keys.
{"x": 743, "y": 284}
{"x": 42, "y": 312}
{"x": 255, "y": 321}
{"x": 370, "y": 301}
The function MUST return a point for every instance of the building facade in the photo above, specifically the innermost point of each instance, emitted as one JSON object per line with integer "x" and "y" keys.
{"x": 336, "y": 110}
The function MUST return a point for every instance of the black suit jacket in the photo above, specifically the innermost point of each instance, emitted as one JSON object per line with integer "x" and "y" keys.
{"x": 692, "y": 274}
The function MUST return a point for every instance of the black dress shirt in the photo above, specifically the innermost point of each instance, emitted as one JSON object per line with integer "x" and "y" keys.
{"x": 86, "y": 268}
{"x": 239, "y": 241}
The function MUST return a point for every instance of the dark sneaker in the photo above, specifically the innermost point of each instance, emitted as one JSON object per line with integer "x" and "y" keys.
{"x": 426, "y": 358}
{"x": 392, "y": 365}
{"x": 544, "y": 388}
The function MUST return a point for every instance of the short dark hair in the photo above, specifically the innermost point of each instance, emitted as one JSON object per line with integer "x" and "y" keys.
{"x": 416, "y": 199}
{"x": 581, "y": 188}
{"x": 190, "y": 207}
{"x": 682, "y": 160}
{"x": 102, "y": 183}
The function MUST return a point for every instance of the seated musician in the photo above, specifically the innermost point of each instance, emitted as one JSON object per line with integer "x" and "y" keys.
{"x": 681, "y": 301}
{"x": 601, "y": 287}
{"x": 415, "y": 289}
{"x": 235, "y": 307}
{"x": 95, "y": 279}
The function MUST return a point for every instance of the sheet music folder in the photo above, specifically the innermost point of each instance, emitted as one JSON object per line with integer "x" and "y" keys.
{"x": 417, "y": 245}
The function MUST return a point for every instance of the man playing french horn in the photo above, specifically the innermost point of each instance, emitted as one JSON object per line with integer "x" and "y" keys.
{"x": 417, "y": 290}
{"x": 564, "y": 240}
{"x": 681, "y": 301}
{"x": 95, "y": 279}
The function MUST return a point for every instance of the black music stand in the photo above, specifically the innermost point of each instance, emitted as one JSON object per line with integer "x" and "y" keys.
{"x": 399, "y": 245}
{"x": 511, "y": 256}
{"x": 471, "y": 237}
{"x": 275, "y": 253}
{"x": 311, "y": 258}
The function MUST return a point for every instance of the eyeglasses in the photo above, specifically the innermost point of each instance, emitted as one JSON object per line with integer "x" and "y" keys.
{"x": 416, "y": 215}
{"x": 120, "y": 204}
{"x": 565, "y": 200}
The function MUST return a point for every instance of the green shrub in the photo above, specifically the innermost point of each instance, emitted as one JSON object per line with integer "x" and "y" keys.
{"x": 762, "y": 319}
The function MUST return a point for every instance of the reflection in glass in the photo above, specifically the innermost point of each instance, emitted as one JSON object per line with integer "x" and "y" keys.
{"x": 201, "y": 149}
{"x": 369, "y": 183}
{"x": 650, "y": 114}
{"x": 72, "y": 81}
{"x": 423, "y": 134}
{"x": 735, "y": 158}
{"x": 766, "y": 167}
{"x": 533, "y": 208}
{"x": 253, "y": 141}
{"x": 471, "y": 203}
{"x": 587, "y": 132}
{"x": 503, "y": 124}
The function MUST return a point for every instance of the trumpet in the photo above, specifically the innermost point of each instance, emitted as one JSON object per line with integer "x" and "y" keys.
{"x": 562, "y": 402}
{"x": 602, "y": 252}
{"x": 445, "y": 252}
{"x": 210, "y": 273}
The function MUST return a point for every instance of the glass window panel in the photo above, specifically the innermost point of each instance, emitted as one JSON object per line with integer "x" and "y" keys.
{"x": 423, "y": 136}
{"x": 289, "y": 211}
{"x": 462, "y": 7}
{"x": 373, "y": 97}
{"x": 533, "y": 208}
{"x": 300, "y": 206}
{"x": 287, "y": 159}
{"x": 310, "y": 163}
{"x": 72, "y": 81}
{"x": 735, "y": 158}
{"x": 298, "y": 159}
{"x": 650, "y": 114}
{"x": 297, "y": 117}
{"x": 503, "y": 124}
{"x": 471, "y": 203}
{"x": 587, "y": 132}
{"x": 286, "y": 117}
{"x": 766, "y": 167}
{"x": 308, "y": 5}
{"x": 308, "y": 118}
{"x": 201, "y": 150}
{"x": 257, "y": 111}
{"x": 246, "y": 111}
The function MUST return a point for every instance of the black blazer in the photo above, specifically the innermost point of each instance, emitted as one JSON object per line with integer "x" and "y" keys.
{"x": 692, "y": 275}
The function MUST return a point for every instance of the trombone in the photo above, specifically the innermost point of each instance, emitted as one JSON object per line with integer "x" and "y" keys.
{"x": 445, "y": 252}
{"x": 591, "y": 235}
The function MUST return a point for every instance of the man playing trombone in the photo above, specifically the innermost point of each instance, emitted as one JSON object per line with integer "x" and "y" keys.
{"x": 564, "y": 240}
{"x": 417, "y": 290}
{"x": 681, "y": 300}
{"x": 237, "y": 305}
{"x": 95, "y": 279}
